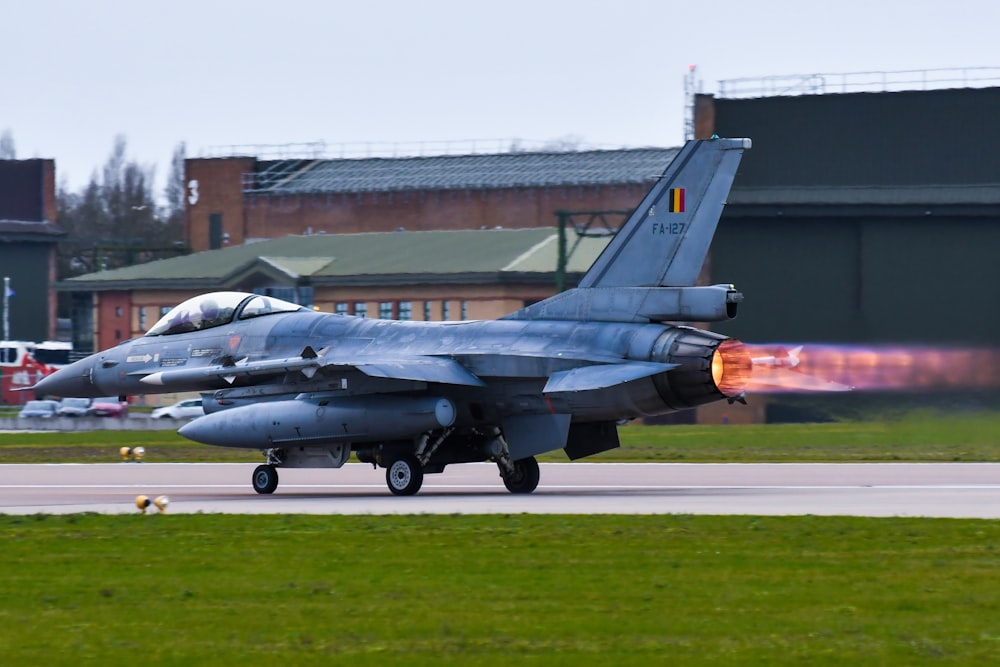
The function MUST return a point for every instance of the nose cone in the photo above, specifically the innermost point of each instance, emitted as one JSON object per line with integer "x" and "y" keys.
{"x": 75, "y": 380}
{"x": 207, "y": 429}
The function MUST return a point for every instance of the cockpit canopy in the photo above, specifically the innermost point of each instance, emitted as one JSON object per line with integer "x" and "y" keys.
{"x": 216, "y": 309}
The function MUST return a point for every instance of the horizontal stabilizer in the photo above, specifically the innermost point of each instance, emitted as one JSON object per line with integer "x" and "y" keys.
{"x": 598, "y": 377}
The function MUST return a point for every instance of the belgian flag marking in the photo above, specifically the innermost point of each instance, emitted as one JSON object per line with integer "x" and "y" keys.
{"x": 676, "y": 200}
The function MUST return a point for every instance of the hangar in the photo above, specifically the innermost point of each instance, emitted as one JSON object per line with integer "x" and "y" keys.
{"x": 857, "y": 216}
{"x": 862, "y": 216}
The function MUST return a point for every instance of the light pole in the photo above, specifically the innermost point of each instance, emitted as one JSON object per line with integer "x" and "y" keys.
{"x": 6, "y": 309}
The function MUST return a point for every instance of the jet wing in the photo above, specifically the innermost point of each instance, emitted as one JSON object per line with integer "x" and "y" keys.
{"x": 605, "y": 375}
{"x": 421, "y": 368}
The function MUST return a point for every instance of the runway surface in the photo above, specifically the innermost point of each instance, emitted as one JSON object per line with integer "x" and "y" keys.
{"x": 895, "y": 489}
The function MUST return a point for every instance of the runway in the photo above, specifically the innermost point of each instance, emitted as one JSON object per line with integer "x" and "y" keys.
{"x": 894, "y": 489}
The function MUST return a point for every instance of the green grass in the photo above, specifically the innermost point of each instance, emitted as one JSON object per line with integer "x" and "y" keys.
{"x": 104, "y": 446}
{"x": 546, "y": 590}
{"x": 919, "y": 437}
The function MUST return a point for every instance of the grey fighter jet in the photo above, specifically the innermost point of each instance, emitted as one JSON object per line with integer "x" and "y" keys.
{"x": 309, "y": 388}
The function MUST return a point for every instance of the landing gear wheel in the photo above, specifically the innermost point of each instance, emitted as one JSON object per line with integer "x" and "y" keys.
{"x": 525, "y": 477}
{"x": 404, "y": 475}
{"x": 265, "y": 479}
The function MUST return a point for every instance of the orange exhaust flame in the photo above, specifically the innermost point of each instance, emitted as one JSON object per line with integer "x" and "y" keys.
{"x": 871, "y": 368}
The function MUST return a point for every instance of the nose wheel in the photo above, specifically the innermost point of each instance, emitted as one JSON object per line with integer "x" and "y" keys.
{"x": 265, "y": 479}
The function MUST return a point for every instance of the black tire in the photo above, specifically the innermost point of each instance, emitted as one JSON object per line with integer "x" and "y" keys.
{"x": 265, "y": 479}
{"x": 404, "y": 476}
{"x": 525, "y": 477}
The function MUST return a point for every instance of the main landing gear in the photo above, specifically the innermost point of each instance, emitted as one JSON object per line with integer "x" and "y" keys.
{"x": 404, "y": 475}
{"x": 524, "y": 476}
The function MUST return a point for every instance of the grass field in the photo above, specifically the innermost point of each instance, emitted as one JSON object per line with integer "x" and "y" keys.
{"x": 497, "y": 590}
{"x": 552, "y": 590}
{"x": 919, "y": 437}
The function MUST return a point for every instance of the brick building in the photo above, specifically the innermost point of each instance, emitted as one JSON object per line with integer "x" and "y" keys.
{"x": 426, "y": 276}
{"x": 238, "y": 199}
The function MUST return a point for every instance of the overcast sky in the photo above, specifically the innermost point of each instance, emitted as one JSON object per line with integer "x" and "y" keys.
{"x": 76, "y": 74}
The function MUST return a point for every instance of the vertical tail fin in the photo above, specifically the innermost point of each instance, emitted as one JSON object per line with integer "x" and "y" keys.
{"x": 647, "y": 271}
{"x": 665, "y": 240}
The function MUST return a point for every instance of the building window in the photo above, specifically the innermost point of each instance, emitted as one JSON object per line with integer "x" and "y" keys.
{"x": 118, "y": 311}
{"x": 405, "y": 310}
{"x": 445, "y": 311}
{"x": 305, "y": 296}
{"x": 361, "y": 309}
{"x": 340, "y": 308}
{"x": 427, "y": 311}
{"x": 465, "y": 310}
{"x": 142, "y": 318}
{"x": 385, "y": 310}
{"x": 164, "y": 310}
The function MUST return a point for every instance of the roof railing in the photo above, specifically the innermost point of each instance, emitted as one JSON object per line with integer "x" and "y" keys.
{"x": 323, "y": 150}
{"x": 860, "y": 82}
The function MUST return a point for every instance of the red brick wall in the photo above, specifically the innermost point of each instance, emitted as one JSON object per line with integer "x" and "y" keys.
{"x": 268, "y": 217}
{"x": 219, "y": 187}
{"x": 49, "y": 208}
{"x": 50, "y": 211}
{"x": 259, "y": 216}
{"x": 113, "y": 318}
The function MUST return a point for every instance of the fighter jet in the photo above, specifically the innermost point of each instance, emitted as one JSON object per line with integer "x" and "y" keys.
{"x": 308, "y": 389}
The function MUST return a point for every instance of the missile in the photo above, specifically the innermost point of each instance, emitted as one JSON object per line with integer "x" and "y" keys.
{"x": 317, "y": 421}
{"x": 307, "y": 363}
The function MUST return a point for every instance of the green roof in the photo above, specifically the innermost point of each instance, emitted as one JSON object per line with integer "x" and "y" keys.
{"x": 371, "y": 258}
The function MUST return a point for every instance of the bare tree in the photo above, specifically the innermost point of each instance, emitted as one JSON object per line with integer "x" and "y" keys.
{"x": 114, "y": 222}
{"x": 174, "y": 194}
{"x": 7, "y": 149}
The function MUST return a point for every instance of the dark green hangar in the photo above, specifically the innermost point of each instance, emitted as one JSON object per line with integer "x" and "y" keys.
{"x": 869, "y": 217}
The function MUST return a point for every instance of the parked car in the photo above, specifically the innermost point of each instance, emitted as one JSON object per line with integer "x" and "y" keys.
{"x": 35, "y": 409}
{"x": 108, "y": 407}
{"x": 73, "y": 407}
{"x": 179, "y": 410}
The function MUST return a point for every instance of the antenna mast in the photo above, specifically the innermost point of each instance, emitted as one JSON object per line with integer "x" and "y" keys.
{"x": 691, "y": 88}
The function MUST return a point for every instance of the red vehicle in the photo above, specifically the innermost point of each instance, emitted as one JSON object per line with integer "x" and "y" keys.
{"x": 108, "y": 407}
{"x": 19, "y": 369}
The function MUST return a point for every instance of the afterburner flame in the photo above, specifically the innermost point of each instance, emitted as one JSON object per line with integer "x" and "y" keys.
{"x": 731, "y": 367}
{"x": 875, "y": 368}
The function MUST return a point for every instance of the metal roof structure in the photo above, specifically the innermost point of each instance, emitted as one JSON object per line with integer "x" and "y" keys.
{"x": 30, "y": 232}
{"x": 376, "y": 258}
{"x": 459, "y": 172}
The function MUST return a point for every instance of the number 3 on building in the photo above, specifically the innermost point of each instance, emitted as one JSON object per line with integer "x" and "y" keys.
{"x": 192, "y": 192}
